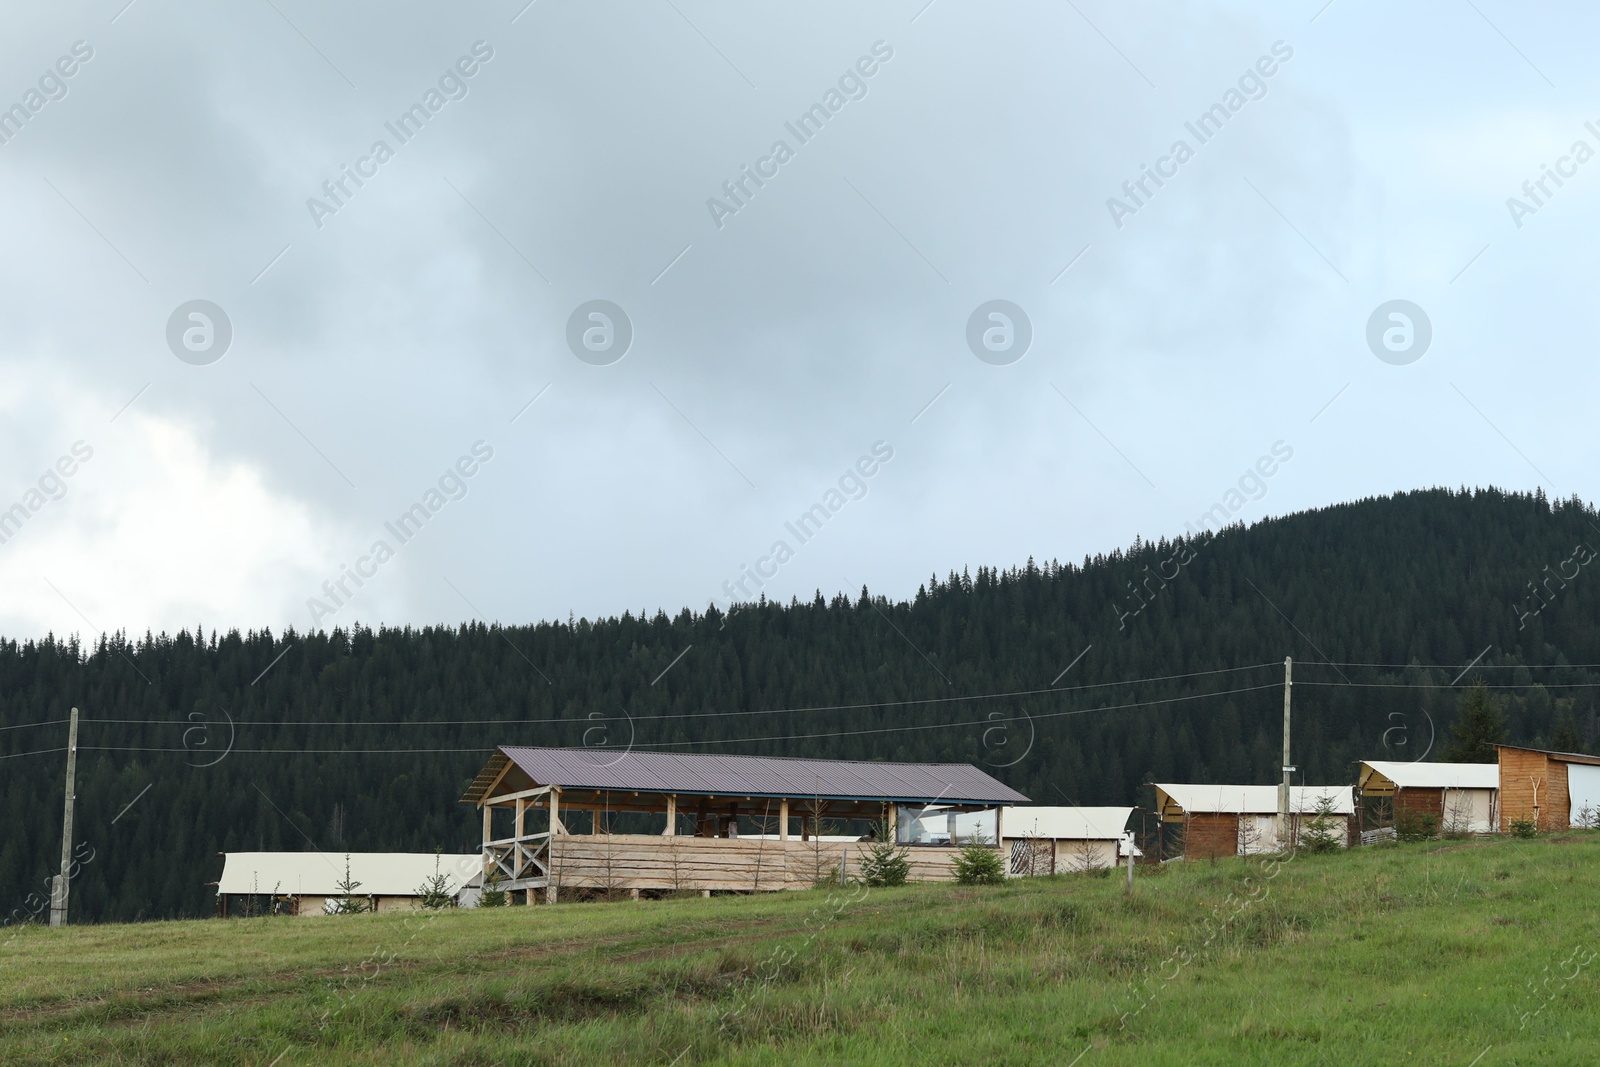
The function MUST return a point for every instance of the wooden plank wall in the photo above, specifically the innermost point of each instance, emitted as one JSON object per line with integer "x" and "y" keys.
{"x": 1518, "y": 772}
{"x": 1420, "y": 801}
{"x": 1208, "y": 836}
{"x": 649, "y": 861}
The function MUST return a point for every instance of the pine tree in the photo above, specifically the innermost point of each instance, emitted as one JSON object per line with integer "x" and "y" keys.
{"x": 1480, "y": 726}
{"x": 1566, "y": 737}
{"x": 347, "y": 903}
{"x": 434, "y": 893}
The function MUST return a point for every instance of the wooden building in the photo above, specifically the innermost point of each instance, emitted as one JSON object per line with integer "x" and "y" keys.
{"x": 1243, "y": 820}
{"x": 1552, "y": 790}
{"x": 1459, "y": 797}
{"x": 1053, "y": 840}
{"x": 548, "y": 814}
{"x": 307, "y": 883}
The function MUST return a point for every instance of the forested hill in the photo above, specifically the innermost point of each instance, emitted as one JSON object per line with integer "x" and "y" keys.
{"x": 363, "y": 740}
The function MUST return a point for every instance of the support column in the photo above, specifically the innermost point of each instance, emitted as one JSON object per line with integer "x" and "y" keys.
{"x": 516, "y": 854}
{"x": 783, "y": 819}
{"x": 672, "y": 816}
{"x": 556, "y": 829}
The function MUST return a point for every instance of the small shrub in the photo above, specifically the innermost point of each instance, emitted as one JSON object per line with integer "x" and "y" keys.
{"x": 493, "y": 896}
{"x": 885, "y": 863}
{"x": 979, "y": 863}
{"x": 347, "y": 903}
{"x": 434, "y": 893}
{"x": 1524, "y": 828}
{"x": 1415, "y": 825}
{"x": 1322, "y": 833}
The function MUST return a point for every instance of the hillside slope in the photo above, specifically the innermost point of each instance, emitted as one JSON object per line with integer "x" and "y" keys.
{"x": 1429, "y": 953}
{"x": 333, "y": 740}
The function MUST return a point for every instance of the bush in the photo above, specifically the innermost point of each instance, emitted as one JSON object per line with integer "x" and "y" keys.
{"x": 1322, "y": 833}
{"x": 493, "y": 896}
{"x": 1524, "y": 827}
{"x": 1415, "y": 825}
{"x": 885, "y": 862}
{"x": 979, "y": 863}
{"x": 434, "y": 893}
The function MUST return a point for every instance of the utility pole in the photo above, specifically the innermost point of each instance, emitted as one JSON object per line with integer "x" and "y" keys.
{"x": 58, "y": 895}
{"x": 1285, "y": 817}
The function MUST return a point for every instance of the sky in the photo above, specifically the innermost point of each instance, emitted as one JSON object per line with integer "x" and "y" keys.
{"x": 522, "y": 311}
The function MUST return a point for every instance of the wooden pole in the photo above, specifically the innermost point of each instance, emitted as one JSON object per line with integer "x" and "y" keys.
{"x": 672, "y": 816}
{"x": 1284, "y": 815}
{"x": 783, "y": 819}
{"x": 58, "y": 902}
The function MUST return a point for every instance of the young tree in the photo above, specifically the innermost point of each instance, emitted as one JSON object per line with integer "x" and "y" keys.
{"x": 1480, "y": 726}
{"x": 435, "y": 892}
{"x": 493, "y": 896}
{"x": 884, "y": 862}
{"x": 1323, "y": 832}
{"x": 979, "y": 863}
{"x": 347, "y": 903}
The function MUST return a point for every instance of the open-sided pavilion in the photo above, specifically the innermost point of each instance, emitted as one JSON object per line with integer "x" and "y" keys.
{"x": 547, "y": 816}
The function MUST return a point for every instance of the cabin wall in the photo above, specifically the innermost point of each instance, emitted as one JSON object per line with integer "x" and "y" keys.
{"x": 1520, "y": 774}
{"x": 1210, "y": 836}
{"x": 1420, "y": 802}
{"x": 654, "y": 862}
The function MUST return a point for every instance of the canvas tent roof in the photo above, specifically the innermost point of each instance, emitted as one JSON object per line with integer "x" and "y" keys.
{"x": 1434, "y": 775}
{"x": 1248, "y": 799}
{"x": 384, "y": 874}
{"x": 752, "y": 776}
{"x": 1066, "y": 824}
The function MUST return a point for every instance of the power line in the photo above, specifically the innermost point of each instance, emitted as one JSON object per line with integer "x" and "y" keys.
{"x": 1430, "y": 685}
{"x": 985, "y": 722}
{"x": 35, "y": 752}
{"x": 27, "y": 725}
{"x": 597, "y": 717}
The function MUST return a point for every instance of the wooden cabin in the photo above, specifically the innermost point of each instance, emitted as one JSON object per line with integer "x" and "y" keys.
{"x": 1552, "y": 790}
{"x": 307, "y": 883}
{"x": 1243, "y": 820}
{"x": 550, "y": 815}
{"x": 1459, "y": 797}
{"x": 1053, "y": 840}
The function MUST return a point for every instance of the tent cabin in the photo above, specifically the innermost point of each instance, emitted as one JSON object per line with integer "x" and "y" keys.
{"x": 1552, "y": 790}
{"x": 307, "y": 883}
{"x": 1242, "y": 820}
{"x": 551, "y": 815}
{"x": 1049, "y": 840}
{"x": 1459, "y": 797}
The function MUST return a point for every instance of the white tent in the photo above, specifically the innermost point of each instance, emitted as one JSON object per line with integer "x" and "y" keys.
{"x": 388, "y": 880}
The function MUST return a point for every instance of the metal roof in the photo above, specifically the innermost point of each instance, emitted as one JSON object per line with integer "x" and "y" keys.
{"x": 749, "y": 776}
{"x": 1253, "y": 799}
{"x": 383, "y": 874}
{"x": 1435, "y": 775}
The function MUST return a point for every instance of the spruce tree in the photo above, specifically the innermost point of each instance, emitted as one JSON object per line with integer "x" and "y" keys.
{"x": 1480, "y": 726}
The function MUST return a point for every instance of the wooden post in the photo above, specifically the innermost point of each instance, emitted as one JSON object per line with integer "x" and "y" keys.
{"x": 58, "y": 901}
{"x": 672, "y": 816}
{"x": 783, "y": 819}
{"x": 999, "y": 830}
{"x": 550, "y": 852}
{"x": 892, "y": 822}
{"x": 516, "y": 849}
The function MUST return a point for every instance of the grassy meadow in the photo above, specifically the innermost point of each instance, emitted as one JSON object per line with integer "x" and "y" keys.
{"x": 1469, "y": 953}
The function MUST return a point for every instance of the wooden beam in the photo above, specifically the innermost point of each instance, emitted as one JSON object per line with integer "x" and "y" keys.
{"x": 783, "y": 819}
{"x": 555, "y": 822}
{"x": 672, "y": 816}
{"x": 523, "y": 794}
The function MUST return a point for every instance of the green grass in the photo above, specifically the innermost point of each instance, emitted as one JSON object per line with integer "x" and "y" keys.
{"x": 1427, "y": 953}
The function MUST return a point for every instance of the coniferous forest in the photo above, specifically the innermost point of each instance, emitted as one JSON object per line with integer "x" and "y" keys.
{"x": 1074, "y": 682}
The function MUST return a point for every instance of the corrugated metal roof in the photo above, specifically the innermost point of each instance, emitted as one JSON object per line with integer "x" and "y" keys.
{"x": 1256, "y": 799}
{"x": 776, "y": 776}
{"x": 1438, "y": 775}
{"x": 1066, "y": 824}
{"x": 384, "y": 874}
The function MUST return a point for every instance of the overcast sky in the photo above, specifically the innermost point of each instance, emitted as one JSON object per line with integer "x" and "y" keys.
{"x": 382, "y": 332}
